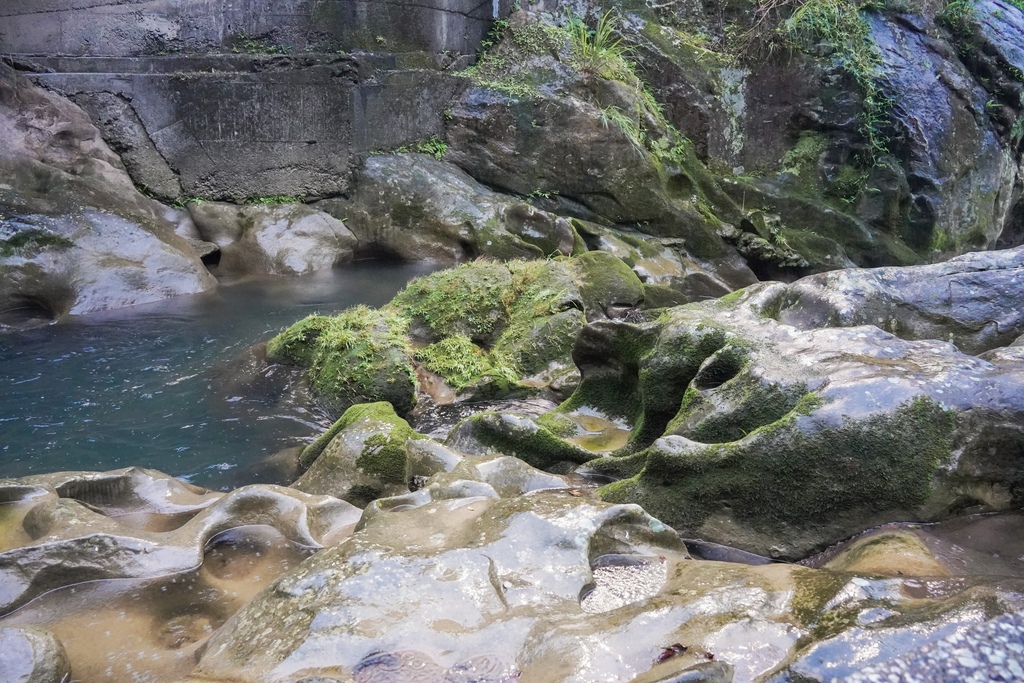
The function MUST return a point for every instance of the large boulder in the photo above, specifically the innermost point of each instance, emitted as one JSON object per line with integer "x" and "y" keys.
{"x": 964, "y": 300}
{"x": 75, "y": 234}
{"x": 745, "y": 424}
{"x": 480, "y": 330}
{"x": 273, "y": 238}
{"x": 780, "y": 419}
{"x": 419, "y": 208}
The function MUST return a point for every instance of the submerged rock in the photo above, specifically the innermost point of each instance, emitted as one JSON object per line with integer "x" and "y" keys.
{"x": 67, "y": 528}
{"x": 32, "y": 655}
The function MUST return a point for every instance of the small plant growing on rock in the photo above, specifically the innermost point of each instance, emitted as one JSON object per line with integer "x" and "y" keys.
{"x": 840, "y": 26}
{"x": 597, "y": 51}
{"x": 435, "y": 147}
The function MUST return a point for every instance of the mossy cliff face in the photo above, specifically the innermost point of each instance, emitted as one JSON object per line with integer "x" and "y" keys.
{"x": 885, "y": 130}
{"x": 484, "y": 328}
{"x": 585, "y": 133}
{"x": 813, "y": 116}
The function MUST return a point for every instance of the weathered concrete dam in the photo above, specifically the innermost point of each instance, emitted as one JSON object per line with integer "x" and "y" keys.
{"x": 237, "y": 99}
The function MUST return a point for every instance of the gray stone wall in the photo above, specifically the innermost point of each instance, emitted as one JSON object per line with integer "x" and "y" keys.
{"x": 285, "y": 129}
{"x": 234, "y": 99}
{"x": 134, "y": 27}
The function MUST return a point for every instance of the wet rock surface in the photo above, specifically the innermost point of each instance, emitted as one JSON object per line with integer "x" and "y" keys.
{"x": 75, "y": 234}
{"x": 774, "y": 422}
{"x": 604, "y": 593}
{"x": 62, "y": 530}
{"x": 273, "y": 239}
{"x": 491, "y": 571}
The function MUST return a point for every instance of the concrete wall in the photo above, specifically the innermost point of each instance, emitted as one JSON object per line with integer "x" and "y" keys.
{"x": 141, "y": 27}
{"x": 247, "y": 98}
{"x": 293, "y": 130}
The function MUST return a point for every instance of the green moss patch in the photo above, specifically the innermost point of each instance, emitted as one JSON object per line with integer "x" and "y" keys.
{"x": 357, "y": 356}
{"x": 794, "y": 473}
{"x": 471, "y": 300}
{"x": 520, "y": 437}
{"x": 462, "y": 363}
{"x": 31, "y": 242}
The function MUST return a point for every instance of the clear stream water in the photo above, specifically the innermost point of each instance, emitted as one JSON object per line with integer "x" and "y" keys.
{"x": 160, "y": 385}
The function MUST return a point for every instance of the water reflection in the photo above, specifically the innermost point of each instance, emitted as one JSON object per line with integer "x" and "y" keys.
{"x": 172, "y": 385}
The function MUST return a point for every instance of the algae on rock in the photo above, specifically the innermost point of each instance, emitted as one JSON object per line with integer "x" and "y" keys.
{"x": 360, "y": 458}
{"x": 484, "y": 328}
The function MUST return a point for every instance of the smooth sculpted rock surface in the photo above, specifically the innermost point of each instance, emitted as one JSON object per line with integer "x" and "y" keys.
{"x": 75, "y": 234}
{"x": 780, "y": 439}
{"x": 273, "y": 238}
{"x": 486, "y": 570}
{"x": 966, "y": 301}
{"x": 495, "y": 572}
{"x": 63, "y": 529}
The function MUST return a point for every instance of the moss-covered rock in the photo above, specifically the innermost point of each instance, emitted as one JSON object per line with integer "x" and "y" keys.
{"x": 361, "y": 457}
{"x": 780, "y": 440}
{"x": 607, "y": 284}
{"x": 471, "y": 301}
{"x": 359, "y": 355}
{"x": 484, "y": 328}
{"x": 519, "y": 436}
{"x": 813, "y": 480}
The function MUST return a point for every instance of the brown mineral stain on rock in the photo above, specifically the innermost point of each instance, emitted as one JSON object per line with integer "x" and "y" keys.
{"x": 153, "y": 630}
